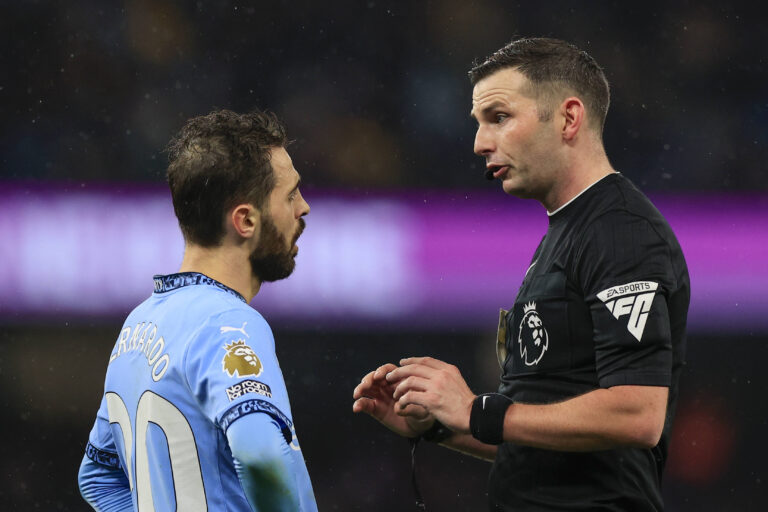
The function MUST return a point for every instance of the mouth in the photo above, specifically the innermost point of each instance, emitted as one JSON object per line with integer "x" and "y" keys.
{"x": 494, "y": 171}
{"x": 294, "y": 250}
{"x": 299, "y": 231}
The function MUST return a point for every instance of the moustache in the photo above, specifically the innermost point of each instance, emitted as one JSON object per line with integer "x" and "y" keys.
{"x": 300, "y": 230}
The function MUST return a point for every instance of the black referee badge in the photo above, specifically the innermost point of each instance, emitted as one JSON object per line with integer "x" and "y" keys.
{"x": 532, "y": 336}
{"x": 631, "y": 300}
{"x": 501, "y": 338}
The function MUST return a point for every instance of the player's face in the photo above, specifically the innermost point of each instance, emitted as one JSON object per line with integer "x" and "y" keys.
{"x": 281, "y": 222}
{"x": 519, "y": 149}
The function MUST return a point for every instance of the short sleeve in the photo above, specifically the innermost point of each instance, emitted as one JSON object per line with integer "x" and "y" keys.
{"x": 625, "y": 271}
{"x": 232, "y": 370}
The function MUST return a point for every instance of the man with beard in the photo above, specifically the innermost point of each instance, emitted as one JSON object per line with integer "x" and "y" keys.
{"x": 592, "y": 346}
{"x": 195, "y": 413}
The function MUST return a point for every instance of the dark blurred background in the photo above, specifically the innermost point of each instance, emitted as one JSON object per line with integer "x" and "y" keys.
{"x": 375, "y": 95}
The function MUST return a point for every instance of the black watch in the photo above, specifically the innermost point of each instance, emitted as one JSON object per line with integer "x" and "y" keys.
{"x": 437, "y": 433}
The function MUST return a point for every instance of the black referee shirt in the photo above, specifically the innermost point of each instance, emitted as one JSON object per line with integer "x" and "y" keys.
{"x": 604, "y": 303}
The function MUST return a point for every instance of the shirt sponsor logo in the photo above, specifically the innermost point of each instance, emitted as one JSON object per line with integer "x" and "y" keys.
{"x": 532, "y": 338}
{"x": 632, "y": 299}
{"x": 241, "y": 360}
{"x": 248, "y": 386}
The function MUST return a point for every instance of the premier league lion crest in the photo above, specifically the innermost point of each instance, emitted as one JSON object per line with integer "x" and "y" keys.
{"x": 242, "y": 359}
{"x": 532, "y": 337}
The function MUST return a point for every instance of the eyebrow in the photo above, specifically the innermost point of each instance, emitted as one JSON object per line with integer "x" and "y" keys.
{"x": 296, "y": 186}
{"x": 496, "y": 104}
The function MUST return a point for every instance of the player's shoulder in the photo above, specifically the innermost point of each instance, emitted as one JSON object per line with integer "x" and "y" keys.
{"x": 214, "y": 305}
{"x": 239, "y": 319}
{"x": 233, "y": 333}
{"x": 235, "y": 324}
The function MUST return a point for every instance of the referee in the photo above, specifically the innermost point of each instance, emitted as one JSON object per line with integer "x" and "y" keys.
{"x": 591, "y": 348}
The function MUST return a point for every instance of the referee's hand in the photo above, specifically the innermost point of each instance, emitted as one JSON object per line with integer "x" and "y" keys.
{"x": 435, "y": 386}
{"x": 374, "y": 396}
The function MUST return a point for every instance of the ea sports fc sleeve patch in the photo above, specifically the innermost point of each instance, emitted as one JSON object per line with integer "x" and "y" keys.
{"x": 631, "y": 300}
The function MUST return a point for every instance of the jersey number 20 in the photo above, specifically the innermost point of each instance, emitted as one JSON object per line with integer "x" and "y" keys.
{"x": 185, "y": 465}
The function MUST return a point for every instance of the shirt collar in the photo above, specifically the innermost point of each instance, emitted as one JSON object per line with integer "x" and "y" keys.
{"x": 170, "y": 282}
{"x": 577, "y": 195}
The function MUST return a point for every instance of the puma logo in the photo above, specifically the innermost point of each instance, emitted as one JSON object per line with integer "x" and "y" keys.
{"x": 235, "y": 329}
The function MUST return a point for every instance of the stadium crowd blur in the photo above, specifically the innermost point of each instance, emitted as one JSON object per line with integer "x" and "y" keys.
{"x": 375, "y": 95}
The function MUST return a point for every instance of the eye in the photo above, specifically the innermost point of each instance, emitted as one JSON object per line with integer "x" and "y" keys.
{"x": 499, "y": 117}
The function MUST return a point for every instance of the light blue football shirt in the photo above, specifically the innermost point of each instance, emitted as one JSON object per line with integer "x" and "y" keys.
{"x": 189, "y": 362}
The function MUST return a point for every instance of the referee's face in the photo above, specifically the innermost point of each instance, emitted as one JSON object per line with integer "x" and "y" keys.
{"x": 519, "y": 148}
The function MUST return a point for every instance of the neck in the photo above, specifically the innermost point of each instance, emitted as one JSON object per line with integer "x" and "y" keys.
{"x": 227, "y": 265}
{"x": 582, "y": 171}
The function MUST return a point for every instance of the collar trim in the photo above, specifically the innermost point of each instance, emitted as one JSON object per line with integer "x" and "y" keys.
{"x": 170, "y": 282}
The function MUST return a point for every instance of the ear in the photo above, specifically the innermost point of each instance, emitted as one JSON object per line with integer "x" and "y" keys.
{"x": 574, "y": 116}
{"x": 245, "y": 219}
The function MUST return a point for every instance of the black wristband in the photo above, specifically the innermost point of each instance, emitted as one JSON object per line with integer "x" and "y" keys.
{"x": 437, "y": 433}
{"x": 486, "y": 421}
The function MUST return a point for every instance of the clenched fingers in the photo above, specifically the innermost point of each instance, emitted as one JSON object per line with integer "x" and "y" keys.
{"x": 403, "y": 372}
{"x": 410, "y": 383}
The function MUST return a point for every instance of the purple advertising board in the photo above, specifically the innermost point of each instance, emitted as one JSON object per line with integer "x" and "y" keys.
{"x": 409, "y": 259}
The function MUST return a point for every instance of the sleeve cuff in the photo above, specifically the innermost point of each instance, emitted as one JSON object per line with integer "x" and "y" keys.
{"x": 102, "y": 457}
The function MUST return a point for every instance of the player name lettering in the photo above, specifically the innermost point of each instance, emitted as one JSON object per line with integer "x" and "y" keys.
{"x": 141, "y": 340}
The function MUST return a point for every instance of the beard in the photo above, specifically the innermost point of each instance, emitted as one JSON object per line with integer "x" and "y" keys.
{"x": 271, "y": 260}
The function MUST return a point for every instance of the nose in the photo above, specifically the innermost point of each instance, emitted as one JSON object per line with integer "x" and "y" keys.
{"x": 303, "y": 206}
{"x": 484, "y": 144}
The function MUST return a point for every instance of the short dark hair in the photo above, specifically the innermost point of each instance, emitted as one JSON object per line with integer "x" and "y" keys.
{"x": 218, "y": 161}
{"x": 552, "y": 65}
